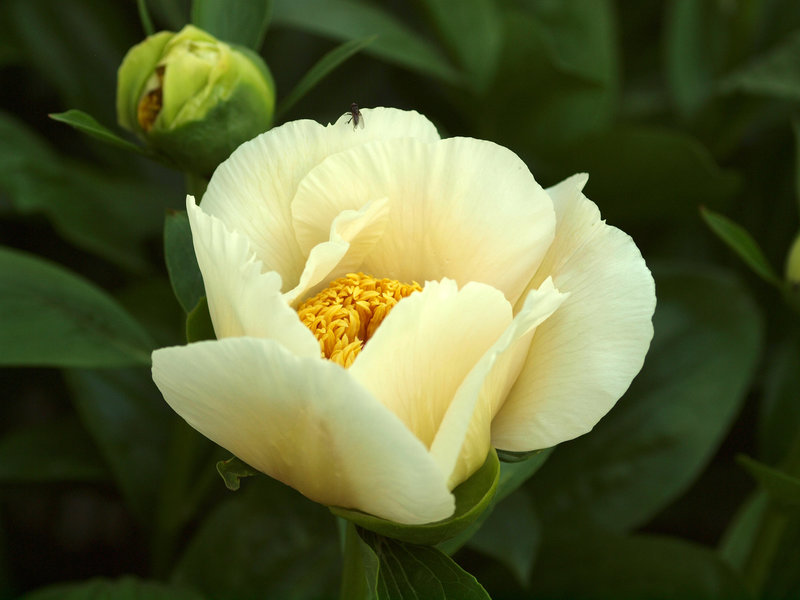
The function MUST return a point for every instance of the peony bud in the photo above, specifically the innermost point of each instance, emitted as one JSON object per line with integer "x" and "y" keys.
{"x": 194, "y": 98}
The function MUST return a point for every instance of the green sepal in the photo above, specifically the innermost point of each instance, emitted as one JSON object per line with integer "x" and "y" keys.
{"x": 472, "y": 498}
{"x": 198, "y": 323}
{"x": 233, "y": 470}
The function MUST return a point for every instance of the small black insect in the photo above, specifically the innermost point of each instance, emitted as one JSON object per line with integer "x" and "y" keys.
{"x": 356, "y": 118}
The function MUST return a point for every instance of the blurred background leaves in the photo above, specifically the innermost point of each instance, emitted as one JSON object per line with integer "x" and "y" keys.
{"x": 669, "y": 106}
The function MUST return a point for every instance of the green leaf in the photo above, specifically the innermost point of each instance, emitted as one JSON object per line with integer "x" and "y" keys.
{"x": 361, "y": 566}
{"x": 320, "y": 70}
{"x": 511, "y": 535}
{"x": 409, "y": 572}
{"x": 50, "y": 452}
{"x": 127, "y": 588}
{"x": 198, "y": 323}
{"x": 779, "y": 410}
{"x": 774, "y": 74}
{"x": 76, "y": 47}
{"x": 243, "y": 22}
{"x": 478, "y": 52}
{"x": 346, "y": 20}
{"x": 472, "y": 498}
{"x": 101, "y": 212}
{"x": 738, "y": 540}
{"x": 266, "y": 541}
{"x": 738, "y": 239}
{"x": 184, "y": 273}
{"x": 232, "y": 470}
{"x": 584, "y": 566}
{"x": 87, "y": 124}
{"x": 130, "y": 424}
{"x": 632, "y": 174}
{"x": 659, "y": 437}
{"x": 569, "y": 50}
{"x": 51, "y": 317}
{"x": 782, "y": 487}
{"x": 689, "y": 53}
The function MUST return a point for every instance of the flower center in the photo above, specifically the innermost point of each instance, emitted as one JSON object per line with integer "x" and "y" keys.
{"x": 344, "y": 315}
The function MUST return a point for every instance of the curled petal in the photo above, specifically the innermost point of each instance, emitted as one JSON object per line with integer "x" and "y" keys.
{"x": 306, "y": 422}
{"x": 584, "y": 357}
{"x": 464, "y": 209}
{"x": 463, "y": 438}
{"x": 251, "y": 192}
{"x": 426, "y": 346}
{"x": 242, "y": 300}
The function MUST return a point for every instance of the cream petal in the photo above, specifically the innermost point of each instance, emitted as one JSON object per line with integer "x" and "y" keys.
{"x": 584, "y": 357}
{"x": 461, "y": 208}
{"x": 463, "y": 439}
{"x": 305, "y": 422}
{"x": 353, "y": 234}
{"x": 242, "y": 300}
{"x": 426, "y": 346}
{"x": 251, "y": 191}
{"x": 383, "y": 123}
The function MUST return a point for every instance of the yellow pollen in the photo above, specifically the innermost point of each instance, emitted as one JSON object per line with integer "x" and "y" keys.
{"x": 346, "y": 314}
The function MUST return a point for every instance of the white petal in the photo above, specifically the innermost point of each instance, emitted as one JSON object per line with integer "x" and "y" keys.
{"x": 584, "y": 357}
{"x": 252, "y": 190}
{"x": 381, "y": 124}
{"x": 242, "y": 300}
{"x": 461, "y": 208}
{"x": 426, "y": 346}
{"x": 463, "y": 440}
{"x": 305, "y": 422}
{"x": 353, "y": 235}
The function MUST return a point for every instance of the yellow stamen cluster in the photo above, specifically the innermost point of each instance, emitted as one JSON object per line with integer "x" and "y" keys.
{"x": 344, "y": 315}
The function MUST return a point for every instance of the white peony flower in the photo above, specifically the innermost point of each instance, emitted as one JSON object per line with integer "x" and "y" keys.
{"x": 531, "y": 321}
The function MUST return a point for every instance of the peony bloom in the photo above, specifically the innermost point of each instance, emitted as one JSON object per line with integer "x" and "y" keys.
{"x": 455, "y": 305}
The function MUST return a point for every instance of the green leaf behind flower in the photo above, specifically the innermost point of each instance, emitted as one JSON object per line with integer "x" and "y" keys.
{"x": 411, "y": 572}
{"x": 782, "y": 487}
{"x": 127, "y": 588}
{"x": 472, "y": 499}
{"x": 738, "y": 239}
{"x": 184, "y": 273}
{"x": 658, "y": 438}
{"x": 240, "y": 22}
{"x": 51, "y": 317}
{"x": 50, "y": 452}
{"x": 323, "y": 67}
{"x": 598, "y": 566}
{"x": 87, "y": 124}
{"x": 266, "y": 541}
{"x": 351, "y": 19}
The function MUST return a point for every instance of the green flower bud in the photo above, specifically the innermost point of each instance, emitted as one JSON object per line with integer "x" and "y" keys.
{"x": 194, "y": 98}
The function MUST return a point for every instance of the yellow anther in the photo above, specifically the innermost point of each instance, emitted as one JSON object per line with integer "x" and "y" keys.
{"x": 346, "y": 314}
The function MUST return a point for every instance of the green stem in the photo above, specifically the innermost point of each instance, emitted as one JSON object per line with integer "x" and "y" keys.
{"x": 770, "y": 534}
{"x": 144, "y": 17}
{"x": 179, "y": 497}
